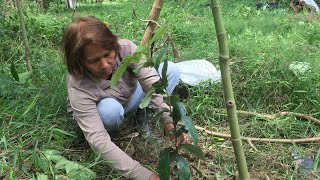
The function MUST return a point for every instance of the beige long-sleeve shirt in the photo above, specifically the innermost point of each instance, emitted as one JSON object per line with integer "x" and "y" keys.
{"x": 84, "y": 93}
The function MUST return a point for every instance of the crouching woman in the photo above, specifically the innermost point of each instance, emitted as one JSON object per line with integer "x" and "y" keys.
{"x": 92, "y": 55}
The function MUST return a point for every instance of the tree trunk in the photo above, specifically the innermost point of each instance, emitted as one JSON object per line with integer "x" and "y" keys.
{"x": 154, "y": 16}
{"x": 24, "y": 36}
{"x": 44, "y": 4}
{"x": 228, "y": 91}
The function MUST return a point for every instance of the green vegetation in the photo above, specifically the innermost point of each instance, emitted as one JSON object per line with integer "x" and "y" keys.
{"x": 262, "y": 46}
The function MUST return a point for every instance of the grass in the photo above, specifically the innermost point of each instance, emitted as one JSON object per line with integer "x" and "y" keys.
{"x": 262, "y": 45}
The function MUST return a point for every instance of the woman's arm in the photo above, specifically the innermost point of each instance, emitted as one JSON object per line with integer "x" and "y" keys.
{"x": 88, "y": 119}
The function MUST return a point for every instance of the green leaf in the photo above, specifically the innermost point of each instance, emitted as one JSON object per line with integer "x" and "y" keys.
{"x": 147, "y": 98}
{"x": 14, "y": 72}
{"x": 183, "y": 168}
{"x": 39, "y": 162}
{"x": 42, "y": 177}
{"x": 122, "y": 68}
{"x": 24, "y": 76}
{"x": 53, "y": 155}
{"x": 77, "y": 171}
{"x": 178, "y": 111}
{"x": 164, "y": 79}
{"x": 63, "y": 132}
{"x": 190, "y": 126}
{"x": 157, "y": 35}
{"x": 164, "y": 164}
{"x": 117, "y": 75}
{"x": 193, "y": 149}
{"x": 31, "y": 105}
{"x": 62, "y": 164}
{"x": 158, "y": 115}
{"x": 158, "y": 59}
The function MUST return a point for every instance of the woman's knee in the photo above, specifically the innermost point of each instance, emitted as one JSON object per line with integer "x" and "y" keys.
{"x": 173, "y": 76}
{"x": 111, "y": 113}
{"x": 173, "y": 71}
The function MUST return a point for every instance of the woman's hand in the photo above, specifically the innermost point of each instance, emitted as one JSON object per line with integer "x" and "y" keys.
{"x": 154, "y": 176}
{"x": 182, "y": 139}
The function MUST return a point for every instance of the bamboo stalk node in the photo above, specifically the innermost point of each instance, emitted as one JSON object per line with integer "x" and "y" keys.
{"x": 230, "y": 104}
{"x": 221, "y": 33}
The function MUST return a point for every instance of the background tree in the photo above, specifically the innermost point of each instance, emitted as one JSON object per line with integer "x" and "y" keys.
{"x": 24, "y": 36}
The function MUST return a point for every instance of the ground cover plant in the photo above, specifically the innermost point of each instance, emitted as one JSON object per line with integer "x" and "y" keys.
{"x": 264, "y": 46}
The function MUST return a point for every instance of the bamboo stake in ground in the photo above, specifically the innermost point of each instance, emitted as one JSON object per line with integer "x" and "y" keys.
{"x": 153, "y": 16}
{"x": 24, "y": 36}
{"x": 227, "y": 90}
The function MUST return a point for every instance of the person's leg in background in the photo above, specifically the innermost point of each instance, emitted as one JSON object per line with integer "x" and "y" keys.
{"x": 111, "y": 113}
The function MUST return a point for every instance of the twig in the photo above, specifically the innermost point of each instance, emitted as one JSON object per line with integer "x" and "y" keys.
{"x": 130, "y": 136}
{"x": 276, "y": 115}
{"x": 150, "y": 20}
{"x": 174, "y": 48}
{"x": 315, "y": 174}
{"x": 252, "y": 146}
{"x": 302, "y": 140}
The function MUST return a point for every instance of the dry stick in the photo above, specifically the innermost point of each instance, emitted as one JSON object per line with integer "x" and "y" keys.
{"x": 315, "y": 174}
{"x": 150, "y": 20}
{"x": 273, "y": 116}
{"x": 174, "y": 48}
{"x": 250, "y": 139}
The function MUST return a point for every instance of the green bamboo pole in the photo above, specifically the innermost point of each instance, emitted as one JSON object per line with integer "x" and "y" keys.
{"x": 24, "y": 36}
{"x": 227, "y": 90}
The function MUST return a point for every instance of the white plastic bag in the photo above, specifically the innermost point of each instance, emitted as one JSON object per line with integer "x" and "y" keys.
{"x": 192, "y": 72}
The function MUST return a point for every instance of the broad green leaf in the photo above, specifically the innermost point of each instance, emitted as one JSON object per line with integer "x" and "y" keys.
{"x": 193, "y": 149}
{"x": 53, "y": 155}
{"x": 31, "y": 105}
{"x": 183, "y": 168}
{"x": 62, "y": 164}
{"x": 122, "y": 68}
{"x": 117, "y": 75}
{"x": 164, "y": 79}
{"x": 24, "y": 76}
{"x": 157, "y": 35}
{"x": 190, "y": 126}
{"x": 178, "y": 111}
{"x": 42, "y": 177}
{"x": 14, "y": 72}
{"x": 158, "y": 59}
{"x": 72, "y": 166}
{"x": 158, "y": 115}
{"x": 164, "y": 164}
{"x": 147, "y": 98}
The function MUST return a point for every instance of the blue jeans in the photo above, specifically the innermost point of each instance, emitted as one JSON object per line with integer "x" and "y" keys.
{"x": 112, "y": 112}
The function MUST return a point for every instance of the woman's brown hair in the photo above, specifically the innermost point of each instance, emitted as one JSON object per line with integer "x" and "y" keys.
{"x": 79, "y": 34}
